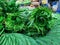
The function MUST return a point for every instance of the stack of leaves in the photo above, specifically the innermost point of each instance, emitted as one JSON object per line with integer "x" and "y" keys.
{"x": 39, "y": 21}
{"x": 9, "y": 16}
{"x": 14, "y": 22}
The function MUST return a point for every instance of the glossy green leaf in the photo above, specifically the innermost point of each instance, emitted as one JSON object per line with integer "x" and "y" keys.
{"x": 16, "y": 39}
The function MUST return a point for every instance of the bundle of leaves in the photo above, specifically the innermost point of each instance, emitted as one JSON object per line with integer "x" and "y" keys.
{"x": 14, "y": 22}
{"x": 39, "y": 21}
{"x": 10, "y": 16}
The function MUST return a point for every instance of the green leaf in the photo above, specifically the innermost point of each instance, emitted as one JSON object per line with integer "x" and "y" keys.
{"x": 16, "y": 39}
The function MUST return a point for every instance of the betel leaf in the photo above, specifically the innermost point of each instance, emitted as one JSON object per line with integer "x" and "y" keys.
{"x": 16, "y": 39}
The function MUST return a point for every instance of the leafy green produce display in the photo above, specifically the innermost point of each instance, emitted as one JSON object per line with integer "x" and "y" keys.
{"x": 28, "y": 27}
